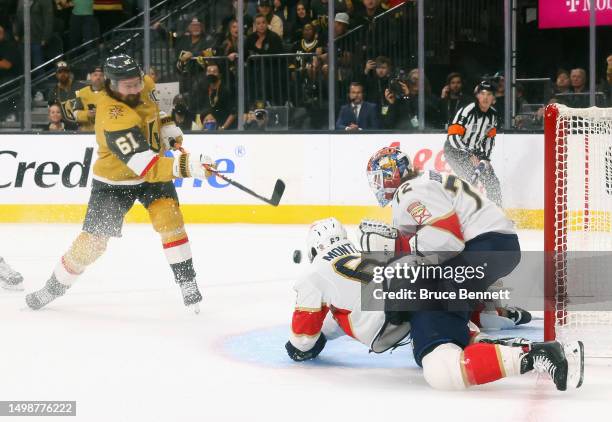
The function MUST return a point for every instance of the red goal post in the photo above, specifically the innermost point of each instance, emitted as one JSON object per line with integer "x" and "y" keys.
{"x": 577, "y": 217}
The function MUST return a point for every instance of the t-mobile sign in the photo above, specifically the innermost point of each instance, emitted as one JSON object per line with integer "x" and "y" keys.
{"x": 571, "y": 13}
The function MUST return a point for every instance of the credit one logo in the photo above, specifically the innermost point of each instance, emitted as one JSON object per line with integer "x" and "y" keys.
{"x": 48, "y": 174}
{"x": 224, "y": 165}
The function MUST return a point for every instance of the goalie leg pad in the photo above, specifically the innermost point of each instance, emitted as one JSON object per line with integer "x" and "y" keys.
{"x": 442, "y": 368}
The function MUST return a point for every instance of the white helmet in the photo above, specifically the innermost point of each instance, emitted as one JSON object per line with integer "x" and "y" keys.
{"x": 322, "y": 234}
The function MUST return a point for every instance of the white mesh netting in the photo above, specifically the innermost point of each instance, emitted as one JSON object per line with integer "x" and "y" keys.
{"x": 583, "y": 222}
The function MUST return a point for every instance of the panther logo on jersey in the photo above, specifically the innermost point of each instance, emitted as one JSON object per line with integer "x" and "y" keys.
{"x": 419, "y": 212}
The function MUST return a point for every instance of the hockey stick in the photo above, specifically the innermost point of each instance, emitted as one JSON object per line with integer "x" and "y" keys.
{"x": 277, "y": 193}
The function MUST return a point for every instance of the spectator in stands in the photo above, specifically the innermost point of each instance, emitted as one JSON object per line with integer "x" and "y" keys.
{"x": 358, "y": 114}
{"x": 309, "y": 43}
{"x": 109, "y": 13}
{"x": 404, "y": 111}
{"x": 61, "y": 15}
{"x": 606, "y": 85}
{"x": 377, "y": 74}
{"x": 9, "y": 58}
{"x": 229, "y": 47}
{"x": 64, "y": 92}
{"x": 192, "y": 45}
{"x": 220, "y": 99}
{"x": 56, "y": 122}
{"x": 154, "y": 74}
{"x": 302, "y": 17}
{"x": 87, "y": 99}
{"x": 452, "y": 98}
{"x": 275, "y": 24}
{"x": 210, "y": 123}
{"x": 341, "y": 23}
{"x": 578, "y": 79}
{"x": 83, "y": 24}
{"x": 274, "y": 71}
{"x": 263, "y": 40}
{"x": 280, "y": 9}
{"x": 182, "y": 116}
{"x": 41, "y": 21}
{"x": 376, "y": 79}
{"x": 320, "y": 7}
{"x": 319, "y": 10}
{"x": 562, "y": 82}
{"x": 247, "y": 19}
{"x": 256, "y": 119}
{"x": 366, "y": 13}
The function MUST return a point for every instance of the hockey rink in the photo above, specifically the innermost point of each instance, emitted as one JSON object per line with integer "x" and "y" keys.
{"x": 123, "y": 346}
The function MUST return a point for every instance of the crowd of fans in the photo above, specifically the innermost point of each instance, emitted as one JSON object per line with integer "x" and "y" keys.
{"x": 381, "y": 95}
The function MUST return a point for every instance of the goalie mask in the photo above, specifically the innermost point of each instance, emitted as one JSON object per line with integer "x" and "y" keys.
{"x": 323, "y": 234}
{"x": 385, "y": 171}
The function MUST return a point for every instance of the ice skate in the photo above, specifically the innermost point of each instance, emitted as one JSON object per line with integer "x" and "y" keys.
{"x": 51, "y": 291}
{"x": 191, "y": 295}
{"x": 550, "y": 358}
{"x": 9, "y": 278}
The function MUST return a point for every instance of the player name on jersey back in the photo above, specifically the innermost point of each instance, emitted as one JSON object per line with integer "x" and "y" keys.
{"x": 338, "y": 251}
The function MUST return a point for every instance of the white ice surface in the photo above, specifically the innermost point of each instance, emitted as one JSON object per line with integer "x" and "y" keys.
{"x": 122, "y": 345}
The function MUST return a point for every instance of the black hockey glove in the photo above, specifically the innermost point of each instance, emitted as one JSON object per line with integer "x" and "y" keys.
{"x": 299, "y": 356}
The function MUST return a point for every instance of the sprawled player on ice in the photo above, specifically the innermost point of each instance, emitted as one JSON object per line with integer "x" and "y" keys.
{"x": 132, "y": 138}
{"x": 450, "y": 220}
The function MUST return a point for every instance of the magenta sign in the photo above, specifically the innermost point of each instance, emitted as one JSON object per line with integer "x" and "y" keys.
{"x": 572, "y": 13}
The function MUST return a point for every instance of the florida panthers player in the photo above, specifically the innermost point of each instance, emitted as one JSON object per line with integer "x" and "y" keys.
{"x": 460, "y": 228}
{"x": 332, "y": 284}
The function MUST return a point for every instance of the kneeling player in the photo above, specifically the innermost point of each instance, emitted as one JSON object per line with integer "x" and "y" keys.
{"x": 132, "y": 138}
{"x": 458, "y": 227}
{"x": 332, "y": 283}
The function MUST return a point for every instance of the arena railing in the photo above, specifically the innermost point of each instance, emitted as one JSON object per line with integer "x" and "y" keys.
{"x": 292, "y": 80}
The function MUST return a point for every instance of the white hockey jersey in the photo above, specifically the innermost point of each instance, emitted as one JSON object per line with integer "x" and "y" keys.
{"x": 446, "y": 212}
{"x": 333, "y": 284}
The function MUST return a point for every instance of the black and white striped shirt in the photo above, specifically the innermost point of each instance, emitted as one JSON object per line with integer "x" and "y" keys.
{"x": 474, "y": 131}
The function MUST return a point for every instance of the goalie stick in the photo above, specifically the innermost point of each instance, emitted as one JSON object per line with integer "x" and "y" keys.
{"x": 277, "y": 193}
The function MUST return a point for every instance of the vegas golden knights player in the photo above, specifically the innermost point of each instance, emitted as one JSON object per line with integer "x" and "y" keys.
{"x": 132, "y": 138}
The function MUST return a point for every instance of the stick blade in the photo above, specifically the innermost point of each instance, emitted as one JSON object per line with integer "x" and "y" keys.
{"x": 277, "y": 194}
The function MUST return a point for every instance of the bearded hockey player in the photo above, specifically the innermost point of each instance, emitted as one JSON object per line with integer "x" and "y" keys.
{"x": 132, "y": 139}
{"x": 457, "y": 227}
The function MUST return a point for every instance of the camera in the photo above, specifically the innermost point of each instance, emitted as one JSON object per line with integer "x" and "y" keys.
{"x": 260, "y": 114}
{"x": 394, "y": 82}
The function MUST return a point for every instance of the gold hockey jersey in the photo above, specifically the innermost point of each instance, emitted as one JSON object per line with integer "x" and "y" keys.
{"x": 85, "y": 99}
{"x": 130, "y": 150}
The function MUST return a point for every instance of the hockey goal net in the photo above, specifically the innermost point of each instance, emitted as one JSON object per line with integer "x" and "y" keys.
{"x": 578, "y": 226}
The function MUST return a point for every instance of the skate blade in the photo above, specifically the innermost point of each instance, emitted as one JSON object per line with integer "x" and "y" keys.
{"x": 574, "y": 353}
{"x": 195, "y": 308}
{"x": 12, "y": 287}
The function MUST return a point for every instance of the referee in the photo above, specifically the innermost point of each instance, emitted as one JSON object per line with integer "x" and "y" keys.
{"x": 470, "y": 141}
